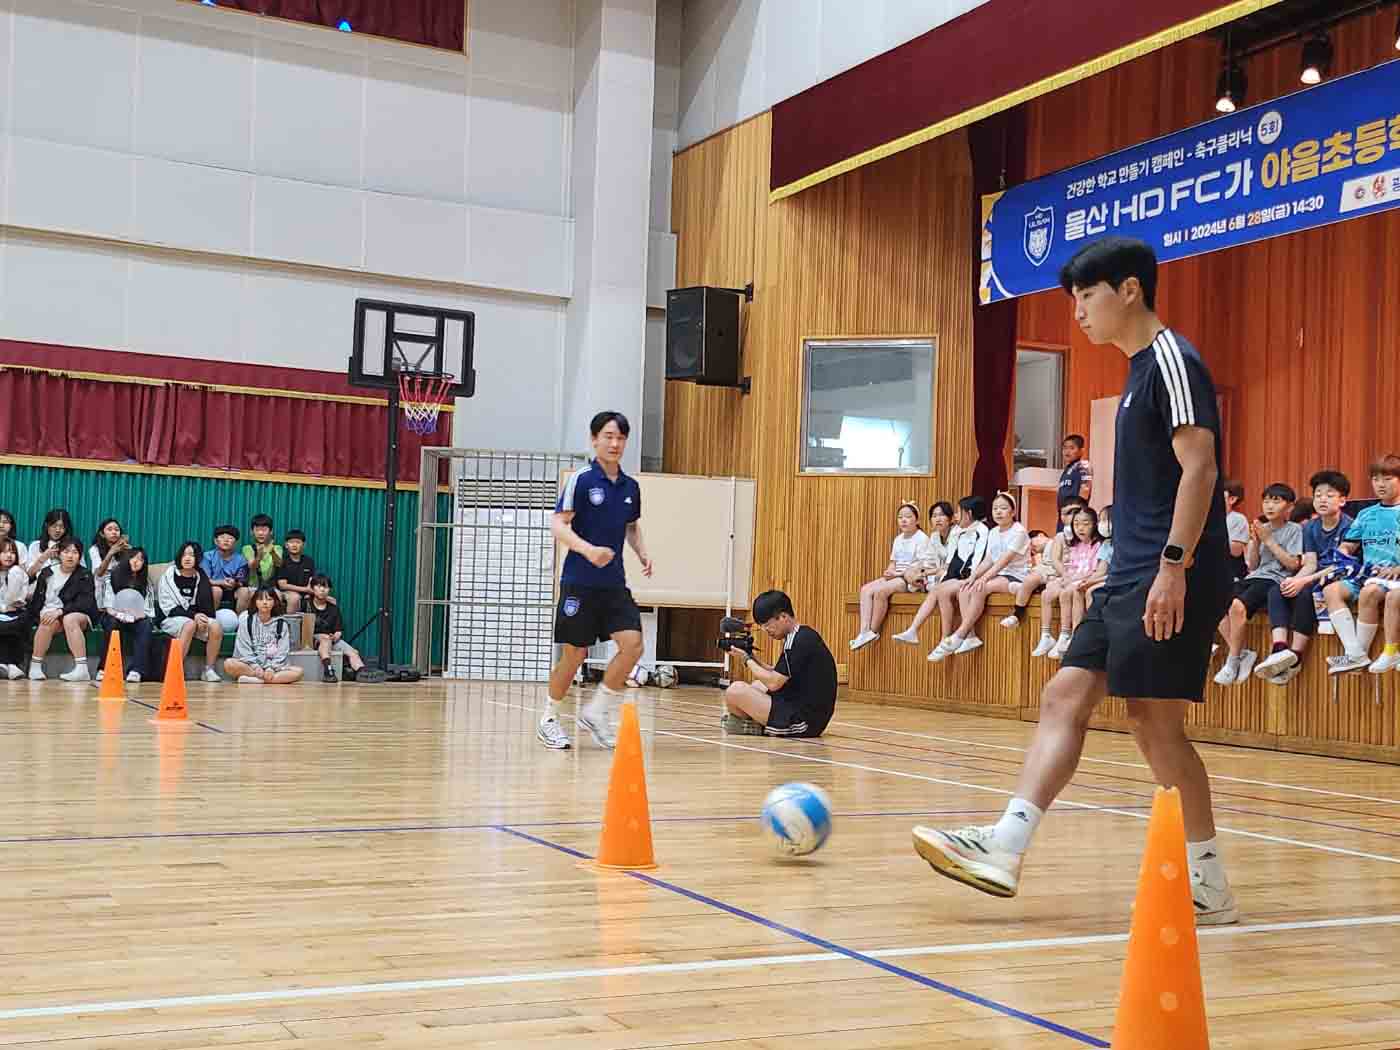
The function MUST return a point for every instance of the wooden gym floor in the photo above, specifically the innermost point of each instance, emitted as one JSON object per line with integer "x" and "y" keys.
{"x": 398, "y": 865}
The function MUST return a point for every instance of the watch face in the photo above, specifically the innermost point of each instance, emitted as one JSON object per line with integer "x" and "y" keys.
{"x": 1173, "y": 553}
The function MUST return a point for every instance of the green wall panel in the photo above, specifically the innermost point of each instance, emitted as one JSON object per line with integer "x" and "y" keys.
{"x": 344, "y": 526}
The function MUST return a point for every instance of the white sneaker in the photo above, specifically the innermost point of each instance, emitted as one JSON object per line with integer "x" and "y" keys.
{"x": 1384, "y": 663}
{"x": 863, "y": 639}
{"x": 942, "y": 650}
{"x": 247, "y": 679}
{"x": 36, "y": 673}
{"x": 1346, "y": 663}
{"x": 1286, "y": 676}
{"x": 213, "y": 677}
{"x": 78, "y": 674}
{"x": 134, "y": 676}
{"x": 1215, "y": 905}
{"x": 12, "y": 672}
{"x": 971, "y": 856}
{"x": 1047, "y": 642}
{"x": 969, "y": 644}
{"x": 594, "y": 718}
{"x": 1061, "y": 647}
{"x": 1247, "y": 658}
{"x": 100, "y": 673}
{"x": 1010, "y": 622}
{"x": 909, "y": 637}
{"x": 1275, "y": 663}
{"x": 551, "y": 734}
{"x": 1229, "y": 674}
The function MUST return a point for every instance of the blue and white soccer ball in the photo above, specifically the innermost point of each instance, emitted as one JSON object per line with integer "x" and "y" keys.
{"x": 797, "y": 818}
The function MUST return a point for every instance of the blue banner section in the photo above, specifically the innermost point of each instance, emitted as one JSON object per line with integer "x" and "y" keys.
{"x": 1319, "y": 156}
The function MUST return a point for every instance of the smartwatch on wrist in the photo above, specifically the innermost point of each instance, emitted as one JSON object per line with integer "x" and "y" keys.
{"x": 1174, "y": 554}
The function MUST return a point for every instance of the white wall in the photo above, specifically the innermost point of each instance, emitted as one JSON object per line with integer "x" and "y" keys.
{"x": 184, "y": 180}
{"x": 741, "y": 57}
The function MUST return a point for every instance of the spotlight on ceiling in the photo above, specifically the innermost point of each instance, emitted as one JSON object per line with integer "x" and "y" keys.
{"x": 1317, "y": 60}
{"x": 1230, "y": 88}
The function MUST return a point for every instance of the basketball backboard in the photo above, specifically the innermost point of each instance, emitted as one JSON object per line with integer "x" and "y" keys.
{"x": 393, "y": 338}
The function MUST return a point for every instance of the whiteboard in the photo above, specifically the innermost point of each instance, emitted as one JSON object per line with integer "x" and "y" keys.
{"x": 686, "y": 525}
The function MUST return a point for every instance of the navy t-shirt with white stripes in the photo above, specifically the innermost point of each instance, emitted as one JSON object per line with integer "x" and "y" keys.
{"x": 603, "y": 507}
{"x": 1168, "y": 387}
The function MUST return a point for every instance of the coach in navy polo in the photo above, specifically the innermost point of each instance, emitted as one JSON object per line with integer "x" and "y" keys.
{"x": 599, "y": 509}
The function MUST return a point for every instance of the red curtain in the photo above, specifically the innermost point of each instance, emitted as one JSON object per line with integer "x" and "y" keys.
{"x": 998, "y": 147}
{"x": 436, "y": 23}
{"x": 42, "y": 414}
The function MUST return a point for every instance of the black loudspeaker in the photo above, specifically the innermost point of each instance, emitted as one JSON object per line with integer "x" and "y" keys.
{"x": 702, "y": 336}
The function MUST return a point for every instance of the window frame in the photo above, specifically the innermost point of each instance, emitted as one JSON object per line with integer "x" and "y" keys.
{"x": 875, "y": 342}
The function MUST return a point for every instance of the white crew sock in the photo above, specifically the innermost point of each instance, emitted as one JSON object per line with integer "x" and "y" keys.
{"x": 81, "y": 661}
{"x": 1344, "y": 627}
{"x": 602, "y": 697}
{"x": 1365, "y": 635}
{"x": 551, "y": 708}
{"x": 1045, "y": 631}
{"x": 1014, "y": 830}
{"x": 1204, "y": 857}
{"x": 1064, "y": 637}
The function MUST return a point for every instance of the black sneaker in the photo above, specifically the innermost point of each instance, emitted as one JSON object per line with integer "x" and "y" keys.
{"x": 328, "y": 674}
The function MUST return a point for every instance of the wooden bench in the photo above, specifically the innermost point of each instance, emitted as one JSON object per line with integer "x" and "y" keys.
{"x": 1350, "y": 716}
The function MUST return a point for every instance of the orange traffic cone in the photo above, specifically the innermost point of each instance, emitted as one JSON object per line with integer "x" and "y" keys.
{"x": 626, "y": 840}
{"x": 113, "y": 674}
{"x": 1162, "y": 1004}
{"x": 173, "y": 710}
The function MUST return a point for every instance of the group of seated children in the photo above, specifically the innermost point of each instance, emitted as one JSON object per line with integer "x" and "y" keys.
{"x": 50, "y": 586}
{"x": 1302, "y": 560}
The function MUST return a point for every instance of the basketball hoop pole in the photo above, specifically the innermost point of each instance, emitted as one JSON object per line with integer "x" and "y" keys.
{"x": 391, "y": 484}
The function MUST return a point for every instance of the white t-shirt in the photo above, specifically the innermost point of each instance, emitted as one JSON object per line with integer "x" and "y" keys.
{"x": 1016, "y": 540}
{"x": 1238, "y": 526}
{"x": 904, "y": 552}
{"x": 935, "y": 553}
{"x": 52, "y": 598}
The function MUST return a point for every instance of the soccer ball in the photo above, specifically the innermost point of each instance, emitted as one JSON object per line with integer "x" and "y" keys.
{"x": 797, "y": 818}
{"x": 665, "y": 676}
{"x": 640, "y": 675}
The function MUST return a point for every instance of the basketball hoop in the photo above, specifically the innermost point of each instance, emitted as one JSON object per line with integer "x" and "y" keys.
{"x": 422, "y": 397}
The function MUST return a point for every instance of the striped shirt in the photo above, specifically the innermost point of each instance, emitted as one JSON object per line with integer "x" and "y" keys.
{"x": 1168, "y": 388}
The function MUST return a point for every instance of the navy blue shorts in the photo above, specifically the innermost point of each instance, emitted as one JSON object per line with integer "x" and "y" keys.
{"x": 594, "y": 614}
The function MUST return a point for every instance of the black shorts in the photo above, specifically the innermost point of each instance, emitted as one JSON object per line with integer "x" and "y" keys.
{"x": 594, "y": 614}
{"x": 795, "y": 715}
{"x": 1111, "y": 638}
{"x": 1254, "y": 594}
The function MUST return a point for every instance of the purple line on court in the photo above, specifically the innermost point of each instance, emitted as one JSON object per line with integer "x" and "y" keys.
{"x": 830, "y": 946}
{"x": 152, "y": 707}
{"x": 372, "y": 829}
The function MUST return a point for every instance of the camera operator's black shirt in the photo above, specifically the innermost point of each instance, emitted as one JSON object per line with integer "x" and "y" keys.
{"x": 811, "y": 671}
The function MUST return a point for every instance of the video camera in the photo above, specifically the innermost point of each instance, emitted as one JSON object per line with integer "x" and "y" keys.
{"x": 734, "y": 634}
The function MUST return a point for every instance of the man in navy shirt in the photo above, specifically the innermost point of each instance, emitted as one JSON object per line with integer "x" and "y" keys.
{"x": 1077, "y": 479}
{"x": 599, "y": 508}
{"x": 1147, "y": 635}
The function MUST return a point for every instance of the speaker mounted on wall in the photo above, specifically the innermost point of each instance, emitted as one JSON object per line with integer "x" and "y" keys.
{"x": 703, "y": 335}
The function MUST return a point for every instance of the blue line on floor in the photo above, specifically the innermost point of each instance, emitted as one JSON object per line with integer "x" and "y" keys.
{"x": 153, "y": 707}
{"x": 830, "y": 946}
{"x": 137, "y": 836}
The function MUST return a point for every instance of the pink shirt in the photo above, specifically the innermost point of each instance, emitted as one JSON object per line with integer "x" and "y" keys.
{"x": 1079, "y": 559}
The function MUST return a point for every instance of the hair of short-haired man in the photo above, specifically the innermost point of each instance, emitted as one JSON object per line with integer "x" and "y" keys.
{"x": 1281, "y": 490}
{"x": 279, "y": 605}
{"x": 1233, "y": 488}
{"x": 295, "y": 534}
{"x": 70, "y": 541}
{"x": 228, "y": 530}
{"x": 260, "y": 520}
{"x": 1037, "y": 533}
{"x": 1077, "y": 440}
{"x": 321, "y": 580}
{"x": 1387, "y": 466}
{"x": 1302, "y": 511}
{"x": 602, "y": 419}
{"x": 941, "y": 506}
{"x": 770, "y": 604}
{"x": 974, "y": 505}
{"x": 1113, "y": 260}
{"x": 1332, "y": 479}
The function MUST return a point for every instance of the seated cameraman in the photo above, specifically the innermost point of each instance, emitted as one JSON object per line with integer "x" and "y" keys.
{"x": 797, "y": 696}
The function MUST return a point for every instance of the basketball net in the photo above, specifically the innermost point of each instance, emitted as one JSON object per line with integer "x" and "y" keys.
{"x": 421, "y": 397}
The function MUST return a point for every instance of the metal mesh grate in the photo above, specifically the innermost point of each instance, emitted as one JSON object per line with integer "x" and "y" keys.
{"x": 500, "y": 616}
